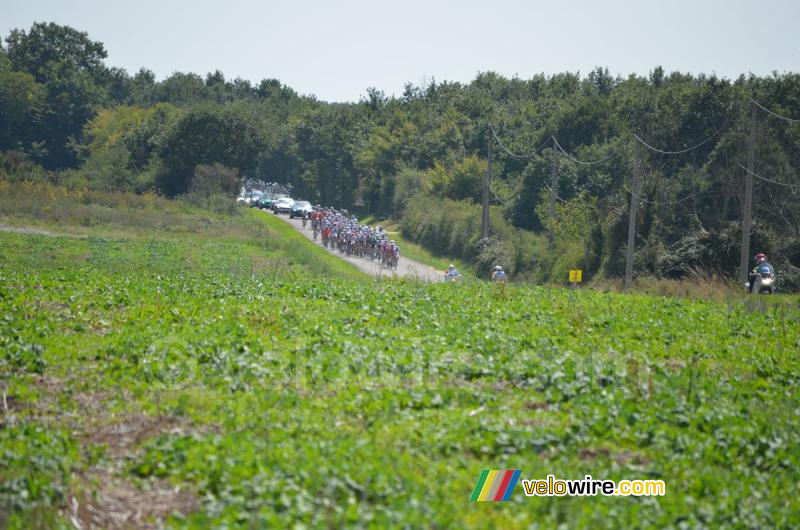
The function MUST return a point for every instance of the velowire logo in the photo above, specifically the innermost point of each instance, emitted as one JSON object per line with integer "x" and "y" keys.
{"x": 495, "y": 485}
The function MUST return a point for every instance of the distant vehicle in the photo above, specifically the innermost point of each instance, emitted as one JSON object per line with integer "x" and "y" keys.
{"x": 251, "y": 198}
{"x": 265, "y": 203}
{"x": 299, "y": 208}
{"x": 283, "y": 205}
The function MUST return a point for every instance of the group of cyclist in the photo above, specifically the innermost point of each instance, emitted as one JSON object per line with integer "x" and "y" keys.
{"x": 342, "y": 232}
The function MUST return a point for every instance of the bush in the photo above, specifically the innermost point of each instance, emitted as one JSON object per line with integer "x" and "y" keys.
{"x": 16, "y": 166}
{"x": 491, "y": 252}
{"x": 453, "y": 228}
{"x": 713, "y": 251}
{"x": 215, "y": 179}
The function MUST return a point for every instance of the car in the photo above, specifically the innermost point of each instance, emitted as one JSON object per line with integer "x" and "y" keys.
{"x": 299, "y": 208}
{"x": 265, "y": 203}
{"x": 283, "y": 205}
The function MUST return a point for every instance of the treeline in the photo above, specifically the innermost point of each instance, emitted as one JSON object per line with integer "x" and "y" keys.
{"x": 421, "y": 157}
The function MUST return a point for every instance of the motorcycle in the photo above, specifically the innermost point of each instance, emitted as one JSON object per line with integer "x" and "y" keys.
{"x": 762, "y": 282}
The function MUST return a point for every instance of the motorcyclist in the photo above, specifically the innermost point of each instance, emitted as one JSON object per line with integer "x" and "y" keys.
{"x": 762, "y": 268}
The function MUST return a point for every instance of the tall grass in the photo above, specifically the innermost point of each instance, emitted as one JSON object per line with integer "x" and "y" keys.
{"x": 57, "y": 208}
{"x": 699, "y": 285}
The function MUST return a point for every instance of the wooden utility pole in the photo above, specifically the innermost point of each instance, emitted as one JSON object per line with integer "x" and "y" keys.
{"x": 486, "y": 184}
{"x": 632, "y": 220}
{"x": 553, "y": 187}
{"x": 747, "y": 219}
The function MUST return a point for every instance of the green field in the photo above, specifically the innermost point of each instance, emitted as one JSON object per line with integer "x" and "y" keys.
{"x": 242, "y": 378}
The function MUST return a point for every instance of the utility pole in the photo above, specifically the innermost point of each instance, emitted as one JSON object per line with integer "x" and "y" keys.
{"x": 553, "y": 188}
{"x": 632, "y": 220}
{"x": 747, "y": 219}
{"x": 486, "y": 184}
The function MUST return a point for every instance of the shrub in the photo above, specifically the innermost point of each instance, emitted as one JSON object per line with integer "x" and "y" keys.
{"x": 214, "y": 179}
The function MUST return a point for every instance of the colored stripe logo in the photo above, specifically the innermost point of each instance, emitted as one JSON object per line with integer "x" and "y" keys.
{"x": 495, "y": 485}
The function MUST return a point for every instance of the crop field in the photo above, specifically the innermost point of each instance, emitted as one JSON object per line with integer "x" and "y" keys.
{"x": 212, "y": 381}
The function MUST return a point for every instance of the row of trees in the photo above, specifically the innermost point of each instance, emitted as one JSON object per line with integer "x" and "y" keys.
{"x": 67, "y": 116}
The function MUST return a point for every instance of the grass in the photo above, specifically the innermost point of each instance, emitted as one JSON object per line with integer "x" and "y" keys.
{"x": 123, "y": 215}
{"x": 216, "y": 379}
{"x": 697, "y": 286}
{"x": 276, "y": 397}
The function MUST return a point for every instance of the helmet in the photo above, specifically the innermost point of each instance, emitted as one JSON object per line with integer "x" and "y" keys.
{"x": 760, "y": 257}
{"x": 498, "y": 268}
{"x": 451, "y": 267}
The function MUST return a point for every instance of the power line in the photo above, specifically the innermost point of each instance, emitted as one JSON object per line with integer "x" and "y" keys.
{"x": 496, "y": 196}
{"x": 585, "y": 163}
{"x": 664, "y": 152}
{"x": 793, "y": 186}
{"x": 554, "y": 194}
{"x": 508, "y": 151}
{"x": 765, "y": 109}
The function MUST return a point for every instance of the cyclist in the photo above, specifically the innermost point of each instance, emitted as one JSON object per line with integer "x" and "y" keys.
{"x": 452, "y": 275}
{"x": 498, "y": 275}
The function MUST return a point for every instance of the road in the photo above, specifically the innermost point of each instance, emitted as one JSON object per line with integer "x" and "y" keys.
{"x": 406, "y": 268}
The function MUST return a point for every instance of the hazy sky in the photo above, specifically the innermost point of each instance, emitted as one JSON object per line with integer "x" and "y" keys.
{"x": 337, "y": 49}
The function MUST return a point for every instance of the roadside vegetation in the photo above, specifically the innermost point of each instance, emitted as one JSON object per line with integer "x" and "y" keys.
{"x": 212, "y": 378}
{"x": 86, "y": 213}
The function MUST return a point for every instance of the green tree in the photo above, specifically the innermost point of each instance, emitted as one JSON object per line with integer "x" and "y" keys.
{"x": 107, "y": 149}
{"x": 71, "y": 68}
{"x": 142, "y": 91}
{"x": 181, "y": 89}
{"x": 5, "y": 62}
{"x": 22, "y": 106}
{"x": 48, "y": 48}
{"x": 146, "y": 138}
{"x": 467, "y": 179}
{"x": 206, "y": 135}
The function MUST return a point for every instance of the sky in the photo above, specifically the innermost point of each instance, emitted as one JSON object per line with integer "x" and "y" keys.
{"x": 337, "y": 49}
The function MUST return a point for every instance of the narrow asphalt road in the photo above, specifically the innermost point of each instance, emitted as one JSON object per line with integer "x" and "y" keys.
{"x": 406, "y": 268}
